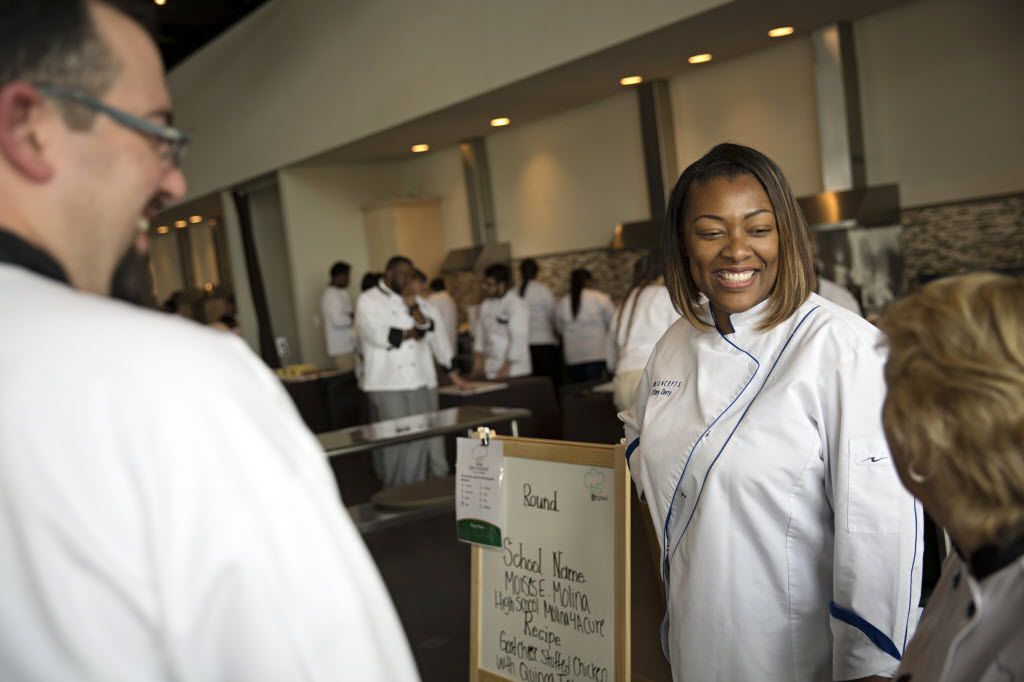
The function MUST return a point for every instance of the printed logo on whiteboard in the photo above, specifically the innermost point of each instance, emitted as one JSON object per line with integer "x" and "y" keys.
{"x": 594, "y": 482}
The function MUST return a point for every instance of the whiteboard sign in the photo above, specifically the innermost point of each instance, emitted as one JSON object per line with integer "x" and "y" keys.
{"x": 551, "y": 604}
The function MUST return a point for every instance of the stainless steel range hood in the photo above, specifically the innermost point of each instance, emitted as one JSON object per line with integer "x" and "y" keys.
{"x": 863, "y": 206}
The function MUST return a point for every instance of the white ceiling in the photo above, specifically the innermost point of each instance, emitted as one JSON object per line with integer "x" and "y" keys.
{"x": 729, "y": 31}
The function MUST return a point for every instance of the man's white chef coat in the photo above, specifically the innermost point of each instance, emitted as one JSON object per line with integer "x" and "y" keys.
{"x": 973, "y": 627}
{"x": 790, "y": 549}
{"x": 389, "y": 362}
{"x": 336, "y": 308}
{"x": 541, "y": 303}
{"x": 166, "y": 515}
{"x": 502, "y": 335}
{"x": 449, "y": 312}
{"x": 639, "y": 322}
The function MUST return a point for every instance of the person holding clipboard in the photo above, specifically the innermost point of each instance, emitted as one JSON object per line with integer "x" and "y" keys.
{"x": 790, "y": 550}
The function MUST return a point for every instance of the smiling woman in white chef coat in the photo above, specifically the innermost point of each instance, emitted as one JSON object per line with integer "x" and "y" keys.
{"x": 954, "y": 415}
{"x": 790, "y": 549}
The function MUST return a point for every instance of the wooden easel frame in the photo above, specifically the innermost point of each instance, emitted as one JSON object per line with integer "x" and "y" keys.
{"x": 586, "y": 454}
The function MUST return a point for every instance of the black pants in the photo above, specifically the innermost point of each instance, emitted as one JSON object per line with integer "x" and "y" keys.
{"x": 586, "y": 371}
{"x": 547, "y": 362}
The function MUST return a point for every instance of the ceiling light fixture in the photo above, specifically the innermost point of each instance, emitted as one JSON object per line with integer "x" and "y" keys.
{"x": 160, "y": 2}
{"x": 163, "y": 229}
{"x": 499, "y": 122}
{"x": 699, "y": 58}
{"x": 196, "y": 219}
{"x": 780, "y": 32}
{"x": 419, "y": 148}
{"x": 631, "y": 80}
{"x": 180, "y": 224}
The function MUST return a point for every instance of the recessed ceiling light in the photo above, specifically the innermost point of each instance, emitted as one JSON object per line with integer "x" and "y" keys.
{"x": 163, "y": 229}
{"x": 781, "y": 32}
{"x": 498, "y": 122}
{"x": 631, "y": 80}
{"x": 160, "y": 2}
{"x": 196, "y": 219}
{"x": 418, "y": 148}
{"x": 180, "y": 223}
{"x": 699, "y": 58}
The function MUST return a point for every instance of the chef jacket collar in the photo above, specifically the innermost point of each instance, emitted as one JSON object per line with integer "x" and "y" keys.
{"x": 748, "y": 319}
{"x": 991, "y": 558}
{"x": 16, "y": 251}
{"x": 387, "y": 291}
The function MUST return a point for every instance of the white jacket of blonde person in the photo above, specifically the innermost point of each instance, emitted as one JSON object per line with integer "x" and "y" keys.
{"x": 585, "y": 335}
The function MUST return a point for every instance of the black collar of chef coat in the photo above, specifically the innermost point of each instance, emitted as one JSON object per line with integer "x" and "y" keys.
{"x": 16, "y": 251}
{"x": 989, "y": 559}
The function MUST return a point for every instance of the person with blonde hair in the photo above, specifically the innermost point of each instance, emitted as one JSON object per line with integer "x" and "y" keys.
{"x": 954, "y": 419}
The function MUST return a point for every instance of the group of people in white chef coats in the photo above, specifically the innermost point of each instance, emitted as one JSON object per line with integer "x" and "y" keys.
{"x": 789, "y": 548}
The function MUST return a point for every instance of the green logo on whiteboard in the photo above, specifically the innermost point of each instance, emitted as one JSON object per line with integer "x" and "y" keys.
{"x": 594, "y": 482}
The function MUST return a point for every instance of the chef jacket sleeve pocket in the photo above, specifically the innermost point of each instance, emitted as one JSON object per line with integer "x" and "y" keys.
{"x": 873, "y": 492}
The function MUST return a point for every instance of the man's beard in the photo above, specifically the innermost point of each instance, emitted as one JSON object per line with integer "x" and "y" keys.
{"x": 132, "y": 280}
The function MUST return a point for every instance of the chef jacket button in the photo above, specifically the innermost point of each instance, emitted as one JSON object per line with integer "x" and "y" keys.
{"x": 971, "y": 610}
{"x": 903, "y": 678}
{"x": 956, "y": 580}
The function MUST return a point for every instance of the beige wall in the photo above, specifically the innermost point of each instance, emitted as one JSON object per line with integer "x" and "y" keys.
{"x": 438, "y": 173}
{"x": 564, "y": 182}
{"x": 300, "y": 77}
{"x": 323, "y": 209}
{"x": 765, "y": 100}
{"x": 941, "y": 86}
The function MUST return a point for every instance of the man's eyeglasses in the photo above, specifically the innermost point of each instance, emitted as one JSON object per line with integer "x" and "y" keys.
{"x": 172, "y": 141}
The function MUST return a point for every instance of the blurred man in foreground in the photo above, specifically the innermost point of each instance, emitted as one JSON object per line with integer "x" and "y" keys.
{"x": 164, "y": 514}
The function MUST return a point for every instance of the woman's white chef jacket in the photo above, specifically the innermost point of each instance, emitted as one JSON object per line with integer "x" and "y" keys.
{"x": 502, "y": 335}
{"x": 389, "y": 363}
{"x": 973, "y": 627}
{"x": 583, "y": 337}
{"x": 790, "y": 549}
{"x": 633, "y": 338}
{"x": 541, "y": 303}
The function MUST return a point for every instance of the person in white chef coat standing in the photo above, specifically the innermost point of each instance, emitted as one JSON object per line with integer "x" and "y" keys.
{"x": 964, "y": 459}
{"x": 501, "y": 338}
{"x": 583, "y": 317}
{"x": 790, "y": 549}
{"x": 339, "y": 328}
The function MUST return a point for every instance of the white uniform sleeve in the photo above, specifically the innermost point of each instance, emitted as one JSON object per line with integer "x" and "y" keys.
{"x": 607, "y": 310}
{"x": 666, "y": 312}
{"x": 518, "y": 331}
{"x": 611, "y": 342}
{"x": 438, "y": 336}
{"x": 372, "y": 322}
{"x": 877, "y": 551}
{"x": 561, "y": 314}
{"x": 632, "y": 422}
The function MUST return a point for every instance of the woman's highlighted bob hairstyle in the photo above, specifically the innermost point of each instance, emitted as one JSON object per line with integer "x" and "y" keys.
{"x": 795, "y": 280}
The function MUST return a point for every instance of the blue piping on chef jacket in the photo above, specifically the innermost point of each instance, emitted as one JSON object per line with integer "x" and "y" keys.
{"x": 668, "y": 516}
{"x": 632, "y": 446}
{"x": 876, "y": 636}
